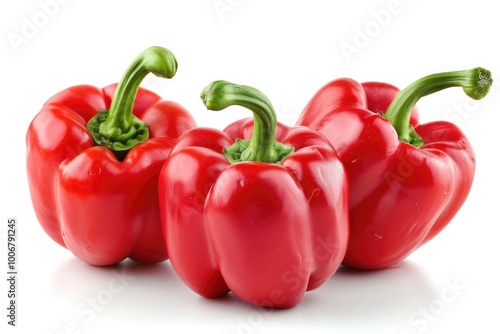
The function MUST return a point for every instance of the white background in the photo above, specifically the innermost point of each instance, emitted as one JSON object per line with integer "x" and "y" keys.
{"x": 287, "y": 49}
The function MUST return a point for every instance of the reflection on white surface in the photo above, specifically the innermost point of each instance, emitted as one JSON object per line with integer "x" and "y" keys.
{"x": 152, "y": 295}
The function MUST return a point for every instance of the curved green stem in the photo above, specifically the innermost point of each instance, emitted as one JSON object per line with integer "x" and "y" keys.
{"x": 117, "y": 128}
{"x": 476, "y": 84}
{"x": 261, "y": 147}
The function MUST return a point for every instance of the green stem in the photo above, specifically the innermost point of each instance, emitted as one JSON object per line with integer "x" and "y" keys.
{"x": 262, "y": 147}
{"x": 476, "y": 84}
{"x": 117, "y": 128}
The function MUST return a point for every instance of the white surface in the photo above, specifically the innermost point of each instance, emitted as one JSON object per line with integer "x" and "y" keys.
{"x": 287, "y": 49}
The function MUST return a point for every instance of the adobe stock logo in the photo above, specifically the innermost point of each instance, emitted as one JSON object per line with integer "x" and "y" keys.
{"x": 90, "y": 308}
{"x": 421, "y": 319}
{"x": 222, "y": 7}
{"x": 365, "y": 34}
{"x": 32, "y": 24}
{"x": 464, "y": 110}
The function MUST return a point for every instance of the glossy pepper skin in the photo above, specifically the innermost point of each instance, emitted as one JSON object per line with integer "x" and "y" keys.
{"x": 101, "y": 201}
{"x": 407, "y": 180}
{"x": 264, "y": 217}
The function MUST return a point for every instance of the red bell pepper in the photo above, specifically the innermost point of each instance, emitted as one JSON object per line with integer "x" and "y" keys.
{"x": 264, "y": 217}
{"x": 93, "y": 160}
{"x": 407, "y": 181}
